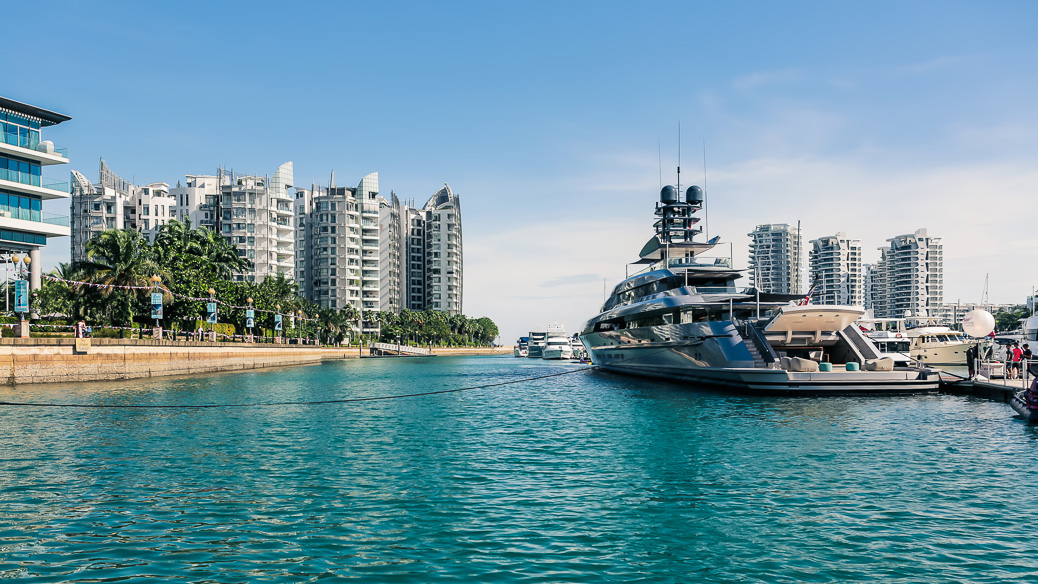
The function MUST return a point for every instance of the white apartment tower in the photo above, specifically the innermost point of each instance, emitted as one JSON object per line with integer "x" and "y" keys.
{"x": 835, "y": 265}
{"x": 775, "y": 259}
{"x": 908, "y": 280}
{"x": 339, "y": 239}
{"x": 24, "y": 227}
{"x": 254, "y": 214}
{"x": 443, "y": 256}
{"x": 115, "y": 203}
{"x": 358, "y": 247}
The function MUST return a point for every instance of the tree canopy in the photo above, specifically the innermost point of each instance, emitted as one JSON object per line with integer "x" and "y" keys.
{"x": 190, "y": 262}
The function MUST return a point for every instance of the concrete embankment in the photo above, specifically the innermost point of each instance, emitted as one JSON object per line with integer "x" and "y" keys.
{"x": 77, "y": 360}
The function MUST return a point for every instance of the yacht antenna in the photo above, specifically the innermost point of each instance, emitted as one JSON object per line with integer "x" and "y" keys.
{"x": 679, "y": 159}
{"x": 706, "y": 213}
{"x": 659, "y": 154}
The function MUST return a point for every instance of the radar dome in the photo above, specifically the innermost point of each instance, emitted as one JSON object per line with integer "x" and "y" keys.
{"x": 694, "y": 195}
{"x": 669, "y": 195}
{"x": 978, "y": 323}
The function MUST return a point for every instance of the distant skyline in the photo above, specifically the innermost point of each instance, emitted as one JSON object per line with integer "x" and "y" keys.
{"x": 554, "y": 122}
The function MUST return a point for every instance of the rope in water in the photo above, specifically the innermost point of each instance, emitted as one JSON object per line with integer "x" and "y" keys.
{"x": 287, "y": 403}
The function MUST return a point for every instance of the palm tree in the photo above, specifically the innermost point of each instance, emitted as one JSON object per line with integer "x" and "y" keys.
{"x": 221, "y": 256}
{"x": 119, "y": 258}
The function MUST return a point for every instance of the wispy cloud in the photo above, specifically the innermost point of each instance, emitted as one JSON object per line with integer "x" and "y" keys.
{"x": 767, "y": 78}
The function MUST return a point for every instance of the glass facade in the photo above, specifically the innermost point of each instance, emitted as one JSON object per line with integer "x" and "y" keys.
{"x": 18, "y": 170}
{"x": 20, "y": 207}
{"x": 20, "y": 131}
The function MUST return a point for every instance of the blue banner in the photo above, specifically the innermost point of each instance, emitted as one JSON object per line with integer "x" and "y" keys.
{"x": 156, "y": 305}
{"x": 21, "y": 296}
{"x": 277, "y": 322}
{"x": 210, "y": 312}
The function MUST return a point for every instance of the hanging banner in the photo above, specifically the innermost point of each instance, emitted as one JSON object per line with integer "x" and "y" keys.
{"x": 250, "y": 318}
{"x": 210, "y": 312}
{"x": 21, "y": 296}
{"x": 277, "y": 322}
{"x": 156, "y": 305}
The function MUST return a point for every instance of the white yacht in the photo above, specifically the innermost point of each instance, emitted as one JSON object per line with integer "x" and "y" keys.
{"x": 579, "y": 352}
{"x": 535, "y": 345}
{"x": 557, "y": 346}
{"x": 894, "y": 345}
{"x": 684, "y": 319}
{"x": 522, "y": 347}
{"x": 938, "y": 345}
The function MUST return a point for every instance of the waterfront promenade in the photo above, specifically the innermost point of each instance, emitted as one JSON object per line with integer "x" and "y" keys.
{"x": 63, "y": 360}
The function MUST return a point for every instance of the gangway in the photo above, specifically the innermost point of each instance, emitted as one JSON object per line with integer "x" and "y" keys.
{"x": 384, "y": 349}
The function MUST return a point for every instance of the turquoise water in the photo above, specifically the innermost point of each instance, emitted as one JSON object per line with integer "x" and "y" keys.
{"x": 587, "y": 477}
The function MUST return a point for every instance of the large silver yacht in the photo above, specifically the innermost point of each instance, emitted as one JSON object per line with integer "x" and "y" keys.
{"x": 682, "y": 318}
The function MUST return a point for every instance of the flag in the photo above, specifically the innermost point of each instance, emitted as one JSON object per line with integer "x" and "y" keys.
{"x": 807, "y": 299}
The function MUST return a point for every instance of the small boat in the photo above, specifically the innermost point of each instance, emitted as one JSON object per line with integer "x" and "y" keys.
{"x": 1026, "y": 402}
{"x": 522, "y": 347}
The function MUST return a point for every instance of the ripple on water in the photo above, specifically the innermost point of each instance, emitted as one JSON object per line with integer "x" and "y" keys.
{"x": 587, "y": 477}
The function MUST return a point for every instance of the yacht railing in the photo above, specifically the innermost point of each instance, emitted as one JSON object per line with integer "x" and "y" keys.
{"x": 685, "y": 263}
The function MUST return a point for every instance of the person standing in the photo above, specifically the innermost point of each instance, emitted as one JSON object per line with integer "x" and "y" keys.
{"x": 1016, "y": 355}
{"x": 971, "y": 360}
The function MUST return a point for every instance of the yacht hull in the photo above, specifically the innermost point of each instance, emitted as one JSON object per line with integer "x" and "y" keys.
{"x": 714, "y": 355}
{"x": 940, "y": 354}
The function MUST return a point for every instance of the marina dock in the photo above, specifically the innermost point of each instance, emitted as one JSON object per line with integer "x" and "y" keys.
{"x": 998, "y": 390}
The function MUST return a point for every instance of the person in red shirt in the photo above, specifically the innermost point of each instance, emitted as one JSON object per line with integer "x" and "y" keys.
{"x": 1017, "y": 355}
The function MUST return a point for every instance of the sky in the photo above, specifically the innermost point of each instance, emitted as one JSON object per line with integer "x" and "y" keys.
{"x": 557, "y": 122}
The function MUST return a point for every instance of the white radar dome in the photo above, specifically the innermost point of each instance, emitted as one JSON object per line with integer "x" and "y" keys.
{"x": 978, "y": 323}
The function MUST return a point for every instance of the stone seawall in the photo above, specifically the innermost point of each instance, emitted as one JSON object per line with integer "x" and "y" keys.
{"x": 77, "y": 360}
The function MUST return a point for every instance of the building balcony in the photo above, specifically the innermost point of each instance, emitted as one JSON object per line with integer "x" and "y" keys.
{"x": 33, "y": 184}
{"x": 22, "y": 147}
{"x": 47, "y": 224}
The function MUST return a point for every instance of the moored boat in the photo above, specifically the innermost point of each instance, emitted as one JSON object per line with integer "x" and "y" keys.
{"x": 535, "y": 345}
{"x": 684, "y": 319}
{"x": 1025, "y": 402}
{"x": 521, "y": 347}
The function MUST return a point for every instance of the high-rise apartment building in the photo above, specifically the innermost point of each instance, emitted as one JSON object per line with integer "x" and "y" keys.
{"x": 908, "y": 280}
{"x": 24, "y": 227}
{"x": 253, "y": 213}
{"x": 775, "y": 259}
{"x": 443, "y": 255}
{"x": 835, "y": 266}
{"x": 115, "y": 203}
{"x": 358, "y": 247}
{"x": 338, "y": 239}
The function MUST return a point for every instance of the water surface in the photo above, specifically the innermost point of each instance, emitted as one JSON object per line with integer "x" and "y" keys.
{"x": 581, "y": 478}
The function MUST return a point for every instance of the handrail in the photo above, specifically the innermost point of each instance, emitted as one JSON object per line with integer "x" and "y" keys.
{"x": 763, "y": 346}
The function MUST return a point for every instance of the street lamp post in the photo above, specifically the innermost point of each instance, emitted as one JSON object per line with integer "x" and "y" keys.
{"x": 21, "y": 297}
{"x": 213, "y": 318}
{"x": 299, "y": 325}
{"x": 156, "y": 307}
{"x": 250, "y": 316}
{"x": 275, "y": 337}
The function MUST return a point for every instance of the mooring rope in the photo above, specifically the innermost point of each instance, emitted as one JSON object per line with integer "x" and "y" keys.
{"x": 287, "y": 403}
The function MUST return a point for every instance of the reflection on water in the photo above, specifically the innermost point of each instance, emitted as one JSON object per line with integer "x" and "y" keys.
{"x": 584, "y": 477}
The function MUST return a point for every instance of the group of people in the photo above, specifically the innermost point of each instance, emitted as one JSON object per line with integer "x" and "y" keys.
{"x": 1015, "y": 357}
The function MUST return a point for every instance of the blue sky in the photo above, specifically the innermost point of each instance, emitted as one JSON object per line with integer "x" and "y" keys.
{"x": 549, "y": 118}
